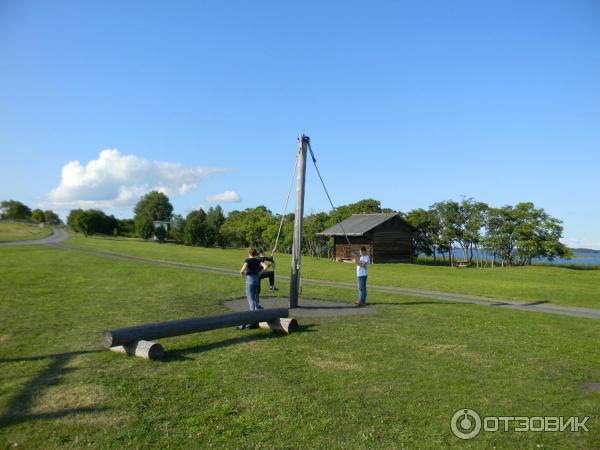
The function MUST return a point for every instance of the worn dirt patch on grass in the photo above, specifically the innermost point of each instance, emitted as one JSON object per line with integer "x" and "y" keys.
{"x": 77, "y": 362}
{"x": 72, "y": 397}
{"x": 82, "y": 404}
{"x": 459, "y": 350}
{"x": 591, "y": 386}
{"x": 446, "y": 348}
{"x": 330, "y": 364}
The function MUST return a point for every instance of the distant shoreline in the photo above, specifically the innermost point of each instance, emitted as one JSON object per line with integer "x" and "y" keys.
{"x": 585, "y": 250}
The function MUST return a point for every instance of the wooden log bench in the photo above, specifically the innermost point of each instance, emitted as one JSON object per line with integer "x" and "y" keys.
{"x": 463, "y": 263}
{"x": 137, "y": 340}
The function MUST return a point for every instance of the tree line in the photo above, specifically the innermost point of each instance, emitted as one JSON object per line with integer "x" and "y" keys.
{"x": 509, "y": 235}
{"x": 506, "y": 235}
{"x": 15, "y": 210}
{"x": 256, "y": 227}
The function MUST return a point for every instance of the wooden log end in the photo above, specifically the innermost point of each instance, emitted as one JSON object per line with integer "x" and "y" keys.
{"x": 281, "y": 325}
{"x": 156, "y": 352}
{"x": 142, "y": 349}
{"x": 291, "y": 324}
{"x": 107, "y": 339}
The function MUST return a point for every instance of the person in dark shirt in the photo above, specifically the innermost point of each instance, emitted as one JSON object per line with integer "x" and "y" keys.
{"x": 270, "y": 274}
{"x": 251, "y": 268}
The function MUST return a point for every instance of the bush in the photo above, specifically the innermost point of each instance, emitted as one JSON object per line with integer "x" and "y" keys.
{"x": 91, "y": 221}
{"x": 14, "y": 210}
{"x": 160, "y": 234}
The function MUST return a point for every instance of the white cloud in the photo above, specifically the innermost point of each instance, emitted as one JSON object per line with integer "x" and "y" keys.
{"x": 115, "y": 180}
{"x": 225, "y": 197}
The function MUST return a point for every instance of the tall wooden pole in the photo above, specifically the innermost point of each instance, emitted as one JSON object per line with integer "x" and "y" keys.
{"x": 297, "y": 246}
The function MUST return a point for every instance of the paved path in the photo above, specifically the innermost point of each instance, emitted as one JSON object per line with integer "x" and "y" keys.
{"x": 60, "y": 235}
{"x": 536, "y": 306}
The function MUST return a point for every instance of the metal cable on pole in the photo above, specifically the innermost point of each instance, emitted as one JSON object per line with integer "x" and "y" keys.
{"x": 312, "y": 155}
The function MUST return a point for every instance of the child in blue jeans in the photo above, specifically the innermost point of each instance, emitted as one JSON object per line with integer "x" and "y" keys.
{"x": 362, "y": 270}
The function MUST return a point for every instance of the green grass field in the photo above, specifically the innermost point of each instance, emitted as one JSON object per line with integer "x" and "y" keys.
{"x": 14, "y": 231}
{"x": 555, "y": 285}
{"x": 392, "y": 379}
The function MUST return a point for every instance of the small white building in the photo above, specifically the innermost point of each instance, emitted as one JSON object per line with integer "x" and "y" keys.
{"x": 162, "y": 223}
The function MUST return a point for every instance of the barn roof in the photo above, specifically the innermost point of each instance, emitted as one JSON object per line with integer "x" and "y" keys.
{"x": 357, "y": 224}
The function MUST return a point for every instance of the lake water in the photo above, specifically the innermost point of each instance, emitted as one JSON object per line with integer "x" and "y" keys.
{"x": 578, "y": 258}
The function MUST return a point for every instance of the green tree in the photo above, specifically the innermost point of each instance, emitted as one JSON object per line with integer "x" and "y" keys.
{"x": 91, "y": 221}
{"x": 253, "y": 226}
{"x": 500, "y": 238}
{"x": 215, "y": 216}
{"x": 75, "y": 221}
{"x": 427, "y": 231}
{"x": 549, "y": 234}
{"x": 521, "y": 233}
{"x": 177, "y": 227}
{"x": 194, "y": 231}
{"x": 14, "y": 210}
{"x": 51, "y": 217}
{"x": 233, "y": 229}
{"x": 152, "y": 206}
{"x": 144, "y": 226}
{"x": 160, "y": 234}
{"x": 126, "y": 227}
{"x": 461, "y": 223}
{"x": 155, "y": 205}
{"x": 314, "y": 224}
{"x": 214, "y": 221}
{"x": 286, "y": 235}
{"x": 38, "y": 216}
{"x": 366, "y": 206}
{"x": 259, "y": 222}
{"x": 537, "y": 234}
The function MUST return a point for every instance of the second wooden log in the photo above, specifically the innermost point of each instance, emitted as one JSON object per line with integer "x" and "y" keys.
{"x": 280, "y": 325}
{"x": 141, "y": 349}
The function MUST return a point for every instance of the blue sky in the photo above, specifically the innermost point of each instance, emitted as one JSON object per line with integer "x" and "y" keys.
{"x": 406, "y": 102}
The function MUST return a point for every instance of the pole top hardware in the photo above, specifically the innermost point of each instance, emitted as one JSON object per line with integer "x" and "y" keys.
{"x": 304, "y": 138}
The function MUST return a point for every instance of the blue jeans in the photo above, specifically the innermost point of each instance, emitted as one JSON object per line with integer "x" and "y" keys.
{"x": 252, "y": 282}
{"x": 362, "y": 289}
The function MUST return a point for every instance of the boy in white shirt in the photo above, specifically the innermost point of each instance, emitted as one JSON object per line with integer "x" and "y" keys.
{"x": 361, "y": 275}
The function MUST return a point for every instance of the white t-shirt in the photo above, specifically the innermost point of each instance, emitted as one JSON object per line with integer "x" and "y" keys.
{"x": 362, "y": 271}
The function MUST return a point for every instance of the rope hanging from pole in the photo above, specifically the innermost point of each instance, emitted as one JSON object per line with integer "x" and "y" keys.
{"x": 285, "y": 209}
{"x": 312, "y": 155}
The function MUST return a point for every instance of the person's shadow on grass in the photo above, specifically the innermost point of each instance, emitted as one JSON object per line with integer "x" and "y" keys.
{"x": 20, "y": 405}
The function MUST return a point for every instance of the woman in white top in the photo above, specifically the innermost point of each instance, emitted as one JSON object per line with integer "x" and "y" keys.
{"x": 362, "y": 270}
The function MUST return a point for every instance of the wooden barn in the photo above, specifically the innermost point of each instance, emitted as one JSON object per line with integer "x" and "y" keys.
{"x": 387, "y": 237}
